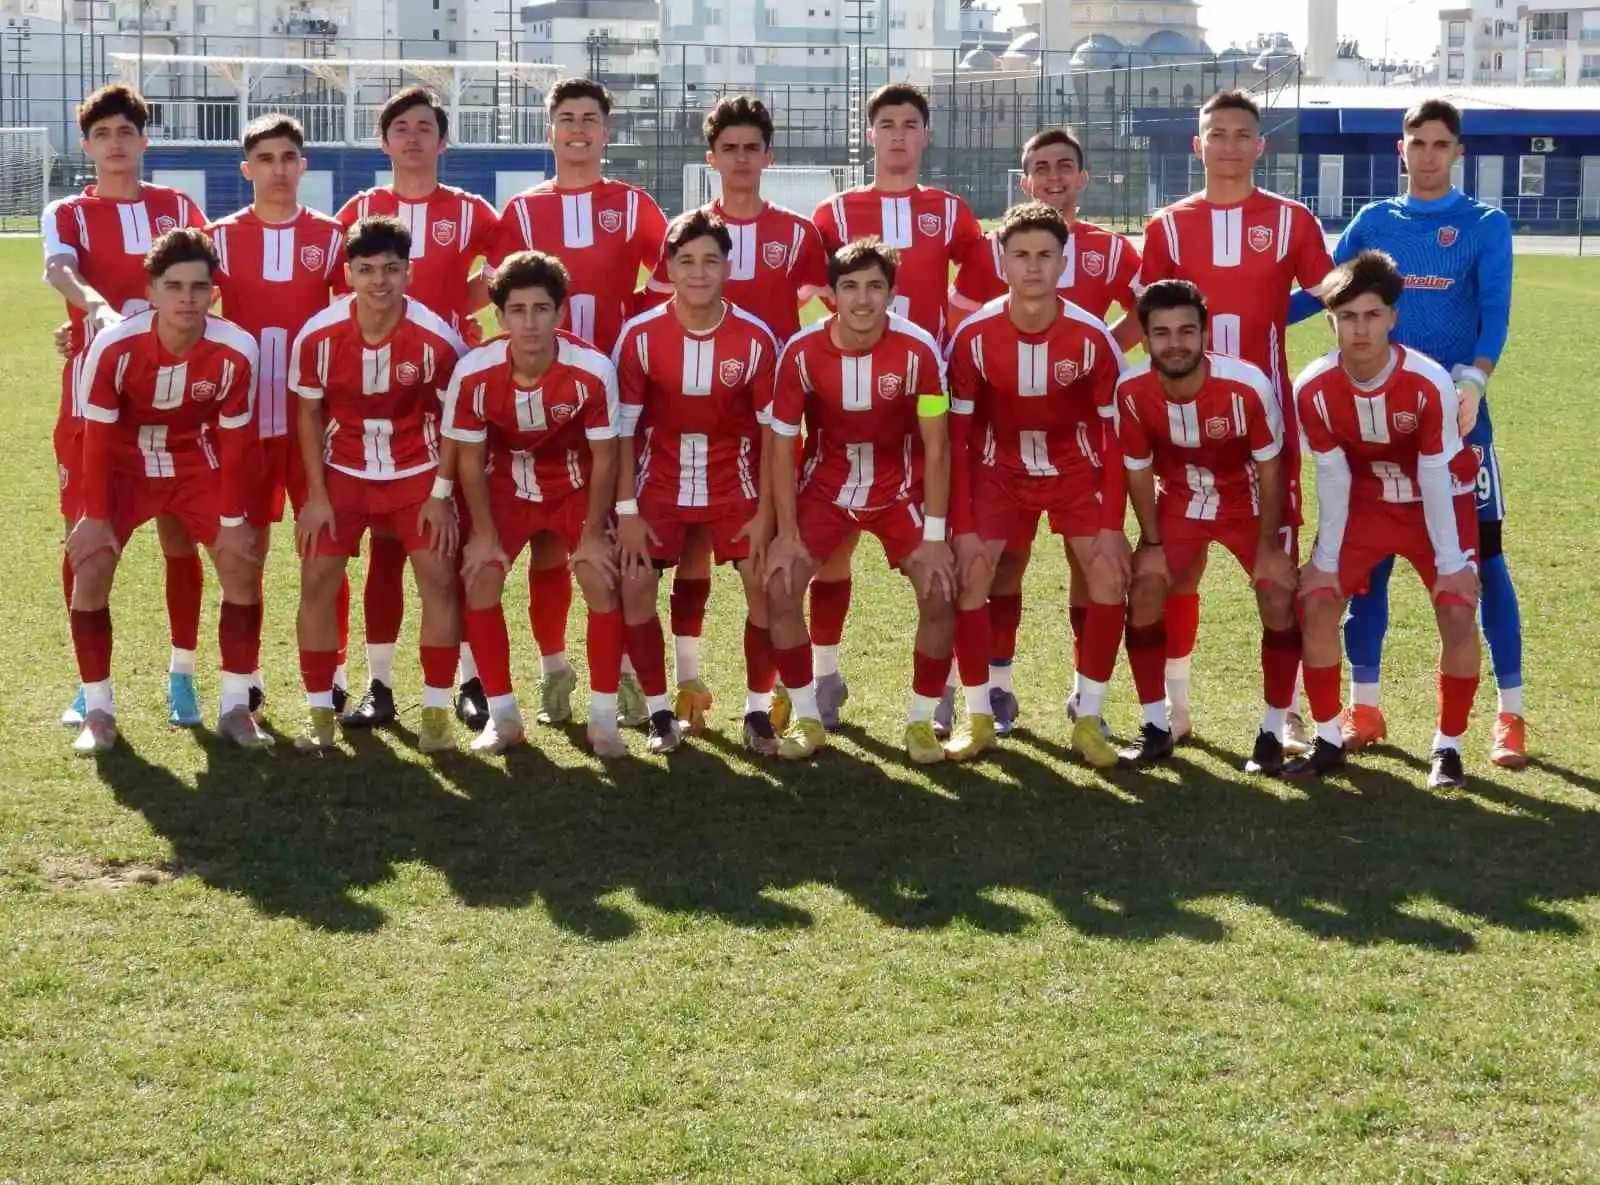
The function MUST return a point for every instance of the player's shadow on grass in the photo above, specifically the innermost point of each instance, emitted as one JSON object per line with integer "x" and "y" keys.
{"x": 1363, "y": 858}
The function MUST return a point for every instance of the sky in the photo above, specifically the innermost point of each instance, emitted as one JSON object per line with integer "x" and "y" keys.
{"x": 1412, "y": 25}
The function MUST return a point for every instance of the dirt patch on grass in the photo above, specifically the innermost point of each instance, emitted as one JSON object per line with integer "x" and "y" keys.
{"x": 85, "y": 874}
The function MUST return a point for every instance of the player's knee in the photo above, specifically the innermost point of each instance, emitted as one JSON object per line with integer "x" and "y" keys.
{"x": 176, "y": 542}
{"x": 1008, "y": 571}
{"x": 1458, "y": 623}
{"x": 640, "y": 595}
{"x": 599, "y": 594}
{"x": 91, "y": 581}
{"x": 1146, "y": 600}
{"x": 1321, "y": 614}
{"x": 1104, "y": 586}
{"x": 1276, "y": 605}
{"x": 486, "y": 587}
{"x": 239, "y": 579}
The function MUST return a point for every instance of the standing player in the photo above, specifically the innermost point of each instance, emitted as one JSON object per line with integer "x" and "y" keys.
{"x": 1202, "y": 440}
{"x": 1100, "y": 270}
{"x": 450, "y": 229}
{"x": 532, "y": 418}
{"x": 1455, "y": 253}
{"x": 607, "y": 233}
{"x": 1034, "y": 377}
{"x": 1393, "y": 478}
{"x": 94, "y": 253}
{"x": 932, "y": 231}
{"x": 167, "y": 405}
{"x": 868, "y": 387}
{"x": 776, "y": 267}
{"x": 279, "y": 263}
{"x": 369, "y": 370}
{"x": 695, "y": 376}
{"x": 1245, "y": 248}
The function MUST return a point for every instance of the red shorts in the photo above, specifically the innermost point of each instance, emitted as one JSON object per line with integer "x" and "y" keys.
{"x": 1006, "y": 510}
{"x": 672, "y": 529}
{"x": 517, "y": 520}
{"x": 282, "y": 480}
{"x": 1386, "y": 529}
{"x": 195, "y": 501}
{"x": 824, "y": 526}
{"x": 67, "y": 440}
{"x": 382, "y": 507}
{"x": 1186, "y": 540}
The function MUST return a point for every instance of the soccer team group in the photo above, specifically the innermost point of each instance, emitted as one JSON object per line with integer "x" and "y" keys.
{"x": 615, "y": 431}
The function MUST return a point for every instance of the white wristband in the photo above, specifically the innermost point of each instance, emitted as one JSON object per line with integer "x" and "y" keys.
{"x": 933, "y": 530}
{"x": 443, "y": 487}
{"x": 629, "y": 506}
{"x": 232, "y": 520}
{"x": 1471, "y": 376}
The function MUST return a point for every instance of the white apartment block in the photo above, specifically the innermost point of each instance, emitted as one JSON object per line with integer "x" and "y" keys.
{"x": 1520, "y": 43}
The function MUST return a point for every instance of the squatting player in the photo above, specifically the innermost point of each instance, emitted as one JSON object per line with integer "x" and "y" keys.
{"x": 868, "y": 387}
{"x": 169, "y": 430}
{"x": 1455, "y": 253}
{"x": 370, "y": 370}
{"x": 1393, "y": 478}
{"x": 95, "y": 245}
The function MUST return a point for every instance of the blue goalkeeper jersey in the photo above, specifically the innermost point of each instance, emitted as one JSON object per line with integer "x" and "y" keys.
{"x": 1455, "y": 253}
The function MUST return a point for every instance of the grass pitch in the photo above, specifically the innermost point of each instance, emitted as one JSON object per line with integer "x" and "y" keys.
{"x": 234, "y": 967}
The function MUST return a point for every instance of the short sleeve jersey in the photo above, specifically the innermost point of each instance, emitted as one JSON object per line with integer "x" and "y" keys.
{"x": 863, "y": 448}
{"x": 932, "y": 230}
{"x": 168, "y": 409}
{"x": 696, "y": 401}
{"x": 381, "y": 400}
{"x": 1039, "y": 400}
{"x": 450, "y": 229}
{"x": 1101, "y": 268}
{"x": 537, "y": 439}
{"x": 1204, "y": 450}
{"x": 274, "y": 278}
{"x": 107, "y": 240}
{"x": 605, "y": 233}
{"x": 776, "y": 255}
{"x": 1385, "y": 429}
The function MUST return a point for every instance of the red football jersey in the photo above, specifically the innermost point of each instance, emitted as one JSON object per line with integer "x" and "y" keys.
{"x": 605, "y": 233}
{"x": 1102, "y": 267}
{"x": 450, "y": 229}
{"x": 380, "y": 401}
{"x": 697, "y": 400}
{"x": 863, "y": 447}
{"x": 776, "y": 255}
{"x": 1044, "y": 403}
{"x": 1205, "y": 449}
{"x": 274, "y": 278}
{"x": 107, "y": 239}
{"x": 537, "y": 441}
{"x": 1246, "y": 258}
{"x": 167, "y": 416}
{"x": 933, "y": 231}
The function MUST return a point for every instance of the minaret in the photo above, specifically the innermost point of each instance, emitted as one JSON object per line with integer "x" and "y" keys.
{"x": 1322, "y": 39}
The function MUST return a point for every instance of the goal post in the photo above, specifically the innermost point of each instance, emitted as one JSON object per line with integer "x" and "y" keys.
{"x": 801, "y": 188}
{"x": 25, "y": 157}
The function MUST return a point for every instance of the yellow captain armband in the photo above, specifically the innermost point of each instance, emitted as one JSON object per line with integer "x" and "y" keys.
{"x": 932, "y": 406}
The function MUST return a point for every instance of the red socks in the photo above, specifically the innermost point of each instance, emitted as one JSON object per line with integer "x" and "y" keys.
{"x": 1323, "y": 691}
{"x": 91, "y": 640}
{"x": 439, "y": 665}
{"x": 1280, "y": 663}
{"x": 1183, "y": 624}
{"x": 1456, "y": 693}
{"x": 343, "y": 614}
{"x": 1147, "y": 659}
{"x": 794, "y": 665}
{"x": 485, "y": 631}
{"x": 928, "y": 675}
{"x": 760, "y": 660}
{"x": 1099, "y": 641}
{"x": 1077, "y": 615}
{"x": 186, "y": 581}
{"x": 316, "y": 670}
{"x": 830, "y": 604}
{"x": 239, "y": 637}
{"x": 605, "y": 640}
{"x": 973, "y": 645}
{"x": 687, "y": 604}
{"x": 1005, "y": 618}
{"x": 549, "y": 602}
{"x": 383, "y": 598}
{"x": 647, "y": 649}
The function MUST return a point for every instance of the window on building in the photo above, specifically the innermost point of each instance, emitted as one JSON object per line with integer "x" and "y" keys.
{"x": 772, "y": 55}
{"x": 436, "y": 34}
{"x": 205, "y": 14}
{"x": 1591, "y": 66}
{"x": 1456, "y": 34}
{"x": 747, "y": 55}
{"x": 1547, "y": 26}
{"x": 1530, "y": 176}
{"x": 1589, "y": 25}
{"x": 771, "y": 14}
{"x": 713, "y": 16}
{"x": 1455, "y": 67}
{"x": 713, "y": 55}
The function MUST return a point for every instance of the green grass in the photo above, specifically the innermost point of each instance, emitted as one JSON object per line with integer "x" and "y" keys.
{"x": 223, "y": 967}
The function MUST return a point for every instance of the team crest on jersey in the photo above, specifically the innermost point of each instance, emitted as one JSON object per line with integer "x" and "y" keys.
{"x": 930, "y": 224}
{"x": 1405, "y": 421}
{"x": 1066, "y": 372}
{"x": 1094, "y": 263}
{"x": 1217, "y": 427}
{"x": 890, "y": 386}
{"x": 1477, "y": 451}
{"x": 407, "y": 374}
{"x": 164, "y": 223}
{"x": 63, "y": 476}
{"x": 731, "y": 370}
{"x": 1448, "y": 235}
{"x": 444, "y": 233}
{"x": 561, "y": 412}
{"x": 776, "y": 254}
{"x": 312, "y": 257}
{"x": 204, "y": 391}
{"x": 1260, "y": 238}
{"x": 610, "y": 221}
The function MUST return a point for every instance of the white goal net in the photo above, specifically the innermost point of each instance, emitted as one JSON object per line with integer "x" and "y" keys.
{"x": 801, "y": 188}
{"x": 24, "y": 178}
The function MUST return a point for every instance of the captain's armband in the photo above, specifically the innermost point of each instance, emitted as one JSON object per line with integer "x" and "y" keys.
{"x": 932, "y": 406}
